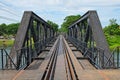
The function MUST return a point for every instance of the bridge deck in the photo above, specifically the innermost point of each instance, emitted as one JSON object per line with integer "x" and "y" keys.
{"x": 85, "y": 75}
{"x": 7, "y": 74}
{"x": 57, "y": 66}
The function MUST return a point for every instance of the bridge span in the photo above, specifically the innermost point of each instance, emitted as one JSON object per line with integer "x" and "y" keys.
{"x": 39, "y": 53}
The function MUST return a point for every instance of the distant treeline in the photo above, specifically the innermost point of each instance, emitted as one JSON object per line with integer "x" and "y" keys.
{"x": 11, "y": 29}
{"x": 8, "y": 29}
{"x": 112, "y": 31}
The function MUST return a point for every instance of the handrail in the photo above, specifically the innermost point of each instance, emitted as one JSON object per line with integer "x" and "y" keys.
{"x": 23, "y": 53}
{"x": 7, "y": 56}
{"x": 93, "y": 56}
{"x": 115, "y": 64}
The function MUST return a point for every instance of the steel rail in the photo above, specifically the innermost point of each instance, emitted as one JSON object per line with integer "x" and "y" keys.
{"x": 69, "y": 65}
{"x": 49, "y": 73}
{"x": 71, "y": 72}
{"x": 74, "y": 62}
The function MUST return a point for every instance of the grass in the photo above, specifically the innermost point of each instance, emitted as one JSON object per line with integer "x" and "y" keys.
{"x": 6, "y": 42}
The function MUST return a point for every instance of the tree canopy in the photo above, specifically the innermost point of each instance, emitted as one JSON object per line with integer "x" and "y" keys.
{"x": 68, "y": 21}
{"x": 112, "y": 33}
{"x": 54, "y": 25}
{"x": 113, "y": 28}
{"x": 10, "y": 29}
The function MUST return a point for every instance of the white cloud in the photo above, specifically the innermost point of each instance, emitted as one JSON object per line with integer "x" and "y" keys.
{"x": 56, "y": 10}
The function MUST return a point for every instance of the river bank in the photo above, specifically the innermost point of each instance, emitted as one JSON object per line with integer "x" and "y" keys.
{"x": 9, "y": 42}
{"x": 6, "y": 42}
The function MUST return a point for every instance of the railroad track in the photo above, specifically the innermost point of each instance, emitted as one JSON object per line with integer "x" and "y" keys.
{"x": 50, "y": 69}
{"x": 71, "y": 65}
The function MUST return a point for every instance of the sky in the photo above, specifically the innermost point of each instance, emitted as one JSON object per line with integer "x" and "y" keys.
{"x": 11, "y": 11}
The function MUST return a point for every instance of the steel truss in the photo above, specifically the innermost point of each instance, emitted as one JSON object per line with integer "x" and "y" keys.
{"x": 32, "y": 37}
{"x": 87, "y": 35}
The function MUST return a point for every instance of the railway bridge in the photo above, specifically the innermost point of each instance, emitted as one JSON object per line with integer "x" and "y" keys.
{"x": 40, "y": 53}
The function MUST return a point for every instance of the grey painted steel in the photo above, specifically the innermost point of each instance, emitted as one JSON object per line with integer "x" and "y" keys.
{"x": 21, "y": 33}
{"x": 87, "y": 33}
{"x": 98, "y": 33}
{"x": 33, "y": 35}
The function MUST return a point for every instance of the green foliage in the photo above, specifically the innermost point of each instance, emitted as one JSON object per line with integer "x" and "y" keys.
{"x": 54, "y": 25}
{"x": 113, "y": 28}
{"x": 3, "y": 29}
{"x": 68, "y": 21}
{"x": 10, "y": 29}
{"x": 112, "y": 33}
{"x": 113, "y": 41}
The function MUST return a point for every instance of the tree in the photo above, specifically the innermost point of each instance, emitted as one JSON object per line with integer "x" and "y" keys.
{"x": 68, "y": 21}
{"x": 10, "y": 29}
{"x": 112, "y": 33}
{"x": 3, "y": 29}
{"x": 112, "y": 28}
{"x": 54, "y": 25}
{"x": 113, "y": 21}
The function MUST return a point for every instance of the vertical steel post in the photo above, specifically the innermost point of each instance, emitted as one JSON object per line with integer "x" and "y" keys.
{"x": 117, "y": 57}
{"x": 6, "y": 60}
{"x": 2, "y": 58}
{"x": 17, "y": 59}
{"x": 103, "y": 60}
{"x": 114, "y": 65}
{"x": 30, "y": 49}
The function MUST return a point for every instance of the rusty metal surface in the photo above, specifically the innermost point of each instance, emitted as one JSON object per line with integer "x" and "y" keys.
{"x": 70, "y": 67}
{"x": 75, "y": 62}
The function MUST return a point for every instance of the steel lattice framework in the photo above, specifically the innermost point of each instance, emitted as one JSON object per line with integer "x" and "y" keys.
{"x": 88, "y": 36}
{"x": 32, "y": 37}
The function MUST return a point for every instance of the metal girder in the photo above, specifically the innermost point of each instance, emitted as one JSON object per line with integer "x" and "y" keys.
{"x": 98, "y": 33}
{"x": 21, "y": 33}
{"x": 31, "y": 38}
{"x": 87, "y": 34}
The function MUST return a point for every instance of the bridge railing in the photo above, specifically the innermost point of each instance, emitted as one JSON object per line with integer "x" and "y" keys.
{"x": 115, "y": 56}
{"x": 94, "y": 55}
{"x": 88, "y": 35}
{"x": 30, "y": 52}
{"x": 4, "y": 56}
